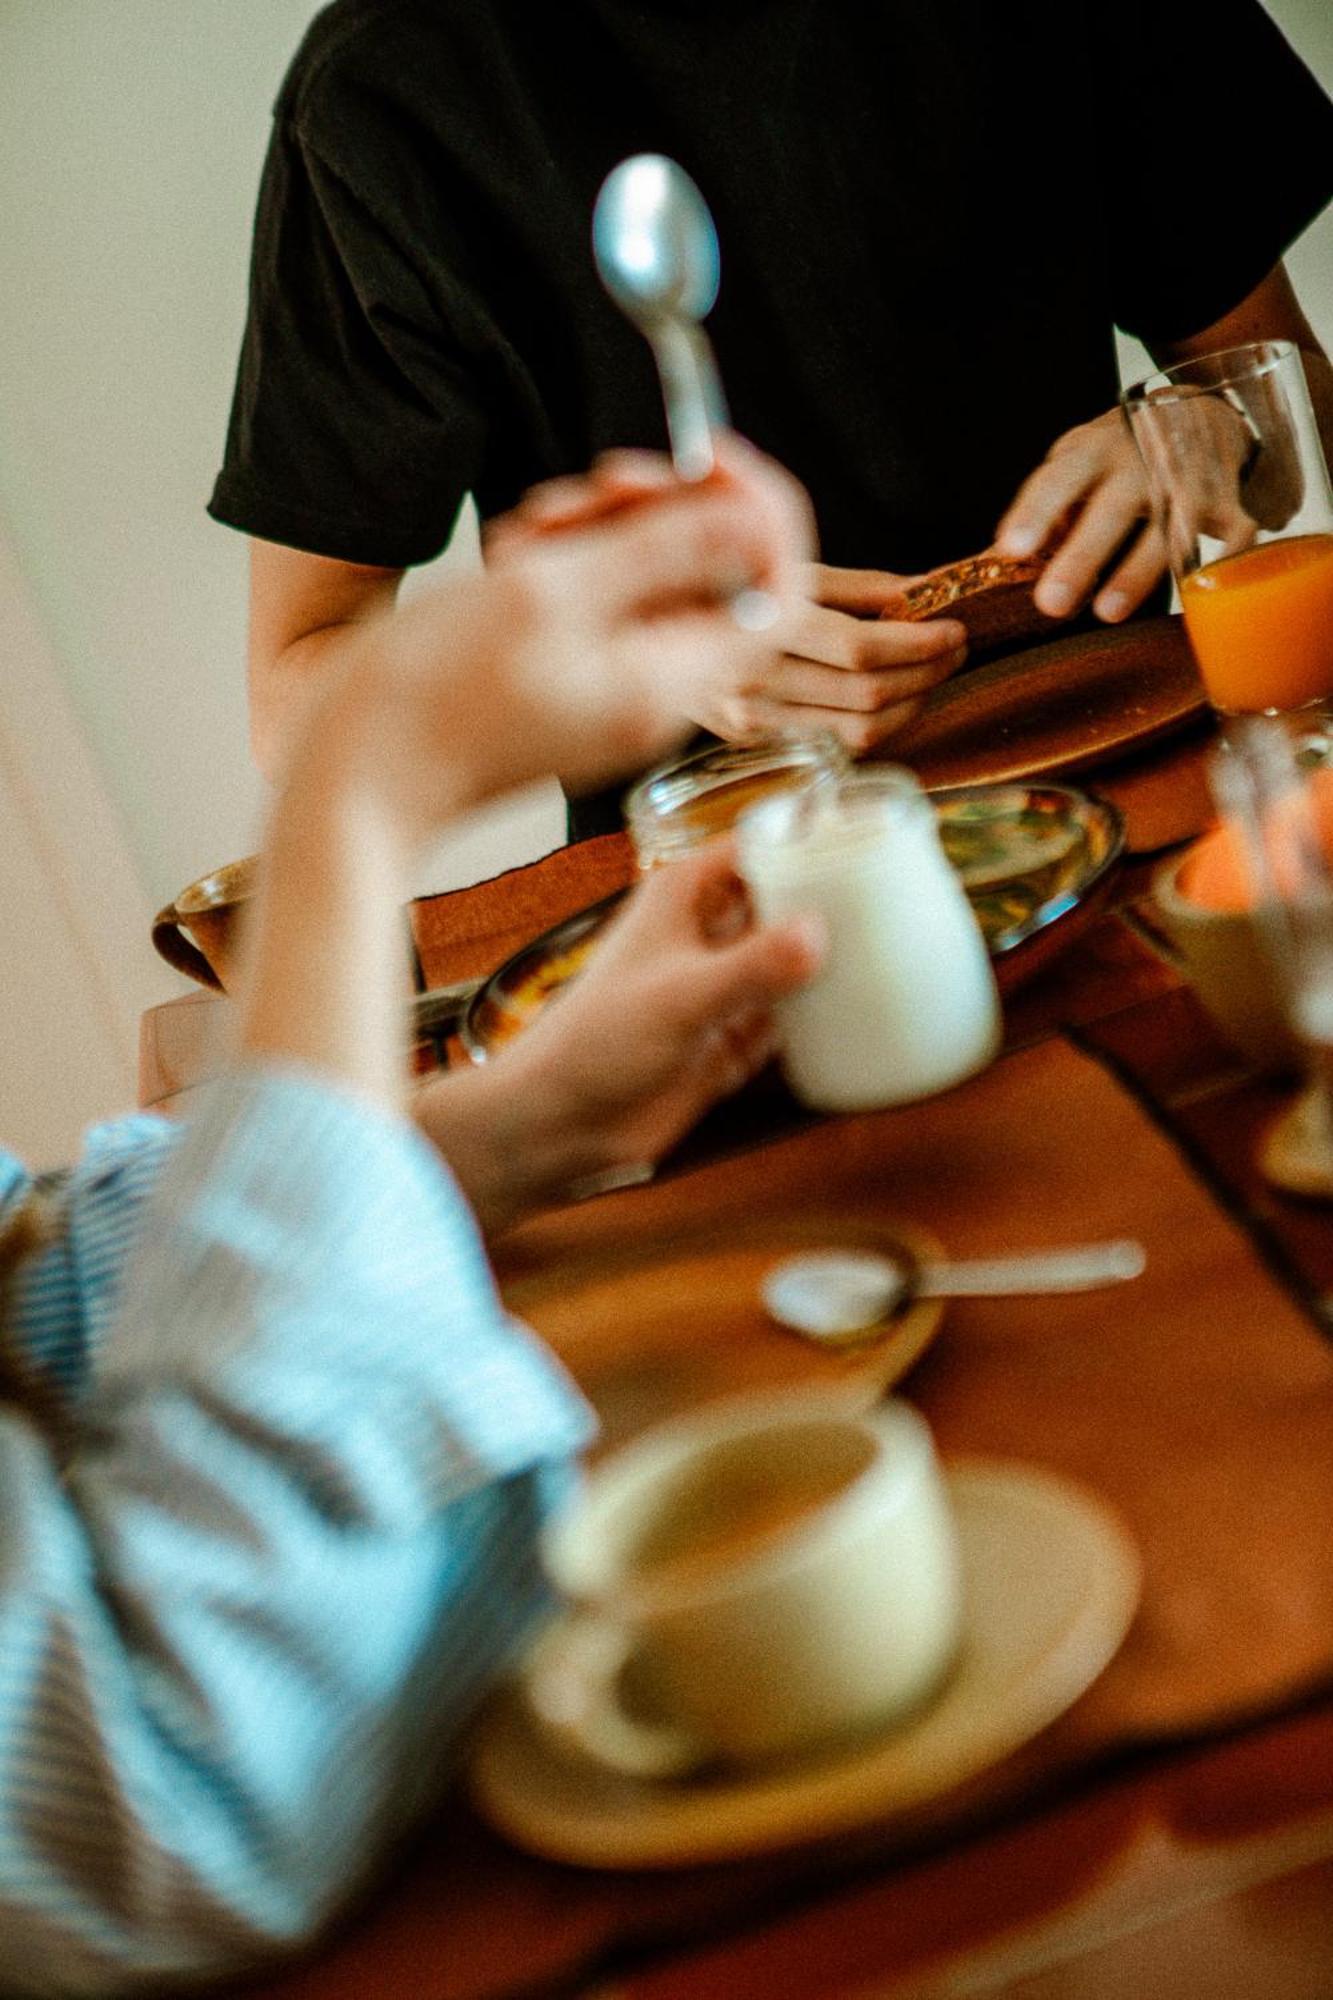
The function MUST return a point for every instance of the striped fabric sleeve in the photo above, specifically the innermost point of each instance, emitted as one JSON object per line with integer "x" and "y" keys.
{"x": 59, "y": 1304}
{"x": 242, "y": 1627}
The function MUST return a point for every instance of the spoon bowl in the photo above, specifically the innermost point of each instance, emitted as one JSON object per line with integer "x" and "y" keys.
{"x": 841, "y": 1297}
{"x": 654, "y": 241}
{"x": 657, "y": 254}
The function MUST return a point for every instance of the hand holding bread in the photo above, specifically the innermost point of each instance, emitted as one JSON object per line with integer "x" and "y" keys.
{"x": 1089, "y": 500}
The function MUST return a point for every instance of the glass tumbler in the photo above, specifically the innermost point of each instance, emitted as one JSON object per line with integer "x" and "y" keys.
{"x": 1240, "y": 489}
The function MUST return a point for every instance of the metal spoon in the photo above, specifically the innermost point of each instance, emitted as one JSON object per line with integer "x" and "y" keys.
{"x": 843, "y": 1295}
{"x": 657, "y": 253}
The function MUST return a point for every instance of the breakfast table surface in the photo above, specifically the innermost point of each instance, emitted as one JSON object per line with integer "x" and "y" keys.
{"x": 1171, "y": 1834}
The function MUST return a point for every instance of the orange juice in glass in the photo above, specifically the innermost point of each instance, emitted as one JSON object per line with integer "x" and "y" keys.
{"x": 1261, "y": 625}
{"x": 1240, "y": 490}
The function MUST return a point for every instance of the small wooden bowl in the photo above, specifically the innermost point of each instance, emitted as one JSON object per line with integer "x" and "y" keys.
{"x": 199, "y": 933}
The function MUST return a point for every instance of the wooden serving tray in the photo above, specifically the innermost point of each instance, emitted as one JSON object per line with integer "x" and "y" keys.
{"x": 1080, "y": 701}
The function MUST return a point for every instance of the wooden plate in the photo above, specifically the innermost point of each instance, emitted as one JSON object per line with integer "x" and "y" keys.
{"x": 1031, "y": 857}
{"x": 1068, "y": 706}
{"x": 652, "y": 1327}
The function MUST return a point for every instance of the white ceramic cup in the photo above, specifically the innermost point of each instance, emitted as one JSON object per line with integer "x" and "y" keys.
{"x": 747, "y": 1583}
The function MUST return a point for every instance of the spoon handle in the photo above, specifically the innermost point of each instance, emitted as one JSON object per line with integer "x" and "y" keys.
{"x": 692, "y": 392}
{"x": 1079, "y": 1269}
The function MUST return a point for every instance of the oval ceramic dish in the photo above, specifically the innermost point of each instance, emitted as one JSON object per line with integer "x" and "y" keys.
{"x": 1031, "y": 858}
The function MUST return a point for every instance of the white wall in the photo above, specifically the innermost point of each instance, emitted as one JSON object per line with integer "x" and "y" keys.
{"x": 131, "y": 138}
{"x": 131, "y": 133}
{"x": 69, "y": 994}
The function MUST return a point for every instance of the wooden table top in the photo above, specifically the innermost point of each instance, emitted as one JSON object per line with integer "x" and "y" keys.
{"x": 1173, "y": 1836}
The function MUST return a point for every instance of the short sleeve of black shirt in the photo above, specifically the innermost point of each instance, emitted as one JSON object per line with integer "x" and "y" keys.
{"x": 1227, "y": 156}
{"x": 355, "y": 427}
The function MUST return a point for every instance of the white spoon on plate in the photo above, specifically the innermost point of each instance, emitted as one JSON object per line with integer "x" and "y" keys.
{"x": 844, "y": 1295}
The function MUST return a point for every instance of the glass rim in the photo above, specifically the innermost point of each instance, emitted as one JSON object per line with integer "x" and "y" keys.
{"x": 1261, "y": 357}
{"x": 893, "y": 785}
{"x": 781, "y": 752}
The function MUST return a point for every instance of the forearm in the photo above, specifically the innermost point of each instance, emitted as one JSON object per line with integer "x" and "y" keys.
{"x": 513, "y": 1144}
{"x": 326, "y": 976}
{"x": 279, "y": 685}
{"x": 1272, "y": 311}
{"x": 513, "y": 1139}
{"x": 374, "y": 771}
{"x": 303, "y": 610}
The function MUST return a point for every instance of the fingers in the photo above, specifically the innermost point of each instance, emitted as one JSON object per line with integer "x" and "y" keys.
{"x": 1094, "y": 477}
{"x": 1075, "y": 464}
{"x": 748, "y": 975}
{"x": 1132, "y": 580}
{"x": 694, "y": 913}
{"x": 617, "y": 480}
{"x": 780, "y": 498}
{"x": 1043, "y": 503}
{"x": 698, "y": 894}
{"x": 865, "y": 680}
{"x": 858, "y": 734}
{"x": 804, "y": 683}
{"x": 859, "y": 645}
{"x": 691, "y": 545}
{"x": 627, "y": 472}
{"x": 701, "y": 666}
{"x": 866, "y": 592}
{"x": 562, "y": 505}
{"x": 558, "y": 508}
{"x": 732, "y": 1053}
{"x": 1108, "y": 517}
{"x": 771, "y": 523}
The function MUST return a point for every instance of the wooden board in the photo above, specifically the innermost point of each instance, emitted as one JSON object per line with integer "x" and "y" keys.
{"x": 1078, "y": 702}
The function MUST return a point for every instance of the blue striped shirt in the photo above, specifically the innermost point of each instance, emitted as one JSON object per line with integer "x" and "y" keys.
{"x": 286, "y": 1539}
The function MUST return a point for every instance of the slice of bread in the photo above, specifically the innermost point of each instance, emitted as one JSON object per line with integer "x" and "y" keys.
{"x": 990, "y": 594}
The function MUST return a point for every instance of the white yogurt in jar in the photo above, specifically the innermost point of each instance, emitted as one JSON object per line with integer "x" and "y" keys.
{"x": 905, "y": 1002}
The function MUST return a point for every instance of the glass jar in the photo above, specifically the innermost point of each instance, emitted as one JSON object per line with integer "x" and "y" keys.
{"x": 905, "y": 1002}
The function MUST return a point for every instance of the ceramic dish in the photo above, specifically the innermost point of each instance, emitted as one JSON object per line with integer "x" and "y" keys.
{"x": 1030, "y": 857}
{"x": 1051, "y": 1583}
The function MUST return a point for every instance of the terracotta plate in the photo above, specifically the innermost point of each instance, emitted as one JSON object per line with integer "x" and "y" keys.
{"x": 1080, "y": 701}
{"x": 1032, "y": 858}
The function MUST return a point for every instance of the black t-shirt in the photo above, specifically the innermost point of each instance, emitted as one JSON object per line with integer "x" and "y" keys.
{"x": 932, "y": 215}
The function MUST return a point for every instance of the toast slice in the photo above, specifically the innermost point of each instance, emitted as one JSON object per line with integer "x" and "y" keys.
{"x": 990, "y": 594}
